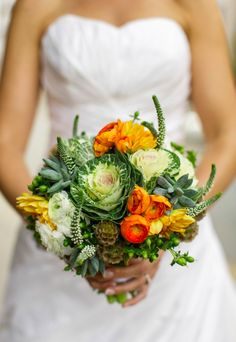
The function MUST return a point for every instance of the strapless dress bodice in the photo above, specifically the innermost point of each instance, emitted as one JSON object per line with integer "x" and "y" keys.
{"x": 102, "y": 72}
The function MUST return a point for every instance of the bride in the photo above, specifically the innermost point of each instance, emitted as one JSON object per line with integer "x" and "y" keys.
{"x": 105, "y": 59}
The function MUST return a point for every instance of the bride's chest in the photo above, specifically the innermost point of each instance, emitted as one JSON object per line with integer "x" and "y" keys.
{"x": 92, "y": 52}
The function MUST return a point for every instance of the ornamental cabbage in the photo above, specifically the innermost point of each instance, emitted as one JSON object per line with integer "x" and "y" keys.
{"x": 102, "y": 186}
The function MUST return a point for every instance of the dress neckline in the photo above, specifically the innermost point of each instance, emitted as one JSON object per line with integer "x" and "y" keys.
{"x": 114, "y": 27}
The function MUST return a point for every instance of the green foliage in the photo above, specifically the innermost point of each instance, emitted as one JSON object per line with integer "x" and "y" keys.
{"x": 181, "y": 259}
{"x": 151, "y": 128}
{"x": 75, "y": 226}
{"x": 75, "y": 126}
{"x": 178, "y": 148}
{"x": 55, "y": 176}
{"x": 161, "y": 123}
{"x": 135, "y": 116}
{"x": 81, "y": 149}
{"x": 63, "y": 150}
{"x": 209, "y": 184}
{"x": 179, "y": 192}
{"x": 202, "y": 206}
{"x": 31, "y": 222}
{"x": 192, "y": 157}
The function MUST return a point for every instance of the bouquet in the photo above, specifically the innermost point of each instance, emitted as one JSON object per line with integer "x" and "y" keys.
{"x": 119, "y": 196}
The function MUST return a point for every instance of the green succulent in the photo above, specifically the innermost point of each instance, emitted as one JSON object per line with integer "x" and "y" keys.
{"x": 56, "y": 175}
{"x": 179, "y": 192}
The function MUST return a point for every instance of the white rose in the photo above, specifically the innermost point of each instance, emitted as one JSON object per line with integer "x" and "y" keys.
{"x": 61, "y": 211}
{"x": 152, "y": 162}
{"x": 52, "y": 240}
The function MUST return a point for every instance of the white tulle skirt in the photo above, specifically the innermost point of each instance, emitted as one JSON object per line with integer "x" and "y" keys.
{"x": 194, "y": 304}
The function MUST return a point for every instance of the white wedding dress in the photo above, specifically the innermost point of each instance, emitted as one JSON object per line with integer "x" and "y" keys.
{"x": 103, "y": 72}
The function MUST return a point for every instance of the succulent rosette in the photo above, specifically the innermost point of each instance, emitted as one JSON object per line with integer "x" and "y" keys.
{"x": 121, "y": 195}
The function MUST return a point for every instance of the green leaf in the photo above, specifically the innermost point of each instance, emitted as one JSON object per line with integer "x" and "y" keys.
{"x": 101, "y": 266}
{"x": 177, "y": 147}
{"x": 52, "y": 164}
{"x": 163, "y": 182}
{"x": 151, "y": 128}
{"x": 95, "y": 262}
{"x": 135, "y": 116}
{"x": 151, "y": 184}
{"x": 192, "y": 157}
{"x": 84, "y": 268}
{"x": 55, "y": 187}
{"x": 182, "y": 181}
{"x": 186, "y": 202}
{"x": 75, "y": 126}
{"x": 73, "y": 257}
{"x": 91, "y": 270}
{"x": 50, "y": 174}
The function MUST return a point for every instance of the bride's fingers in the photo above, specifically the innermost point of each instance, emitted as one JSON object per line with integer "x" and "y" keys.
{"x": 134, "y": 270}
{"x": 140, "y": 296}
{"x": 101, "y": 285}
{"x": 107, "y": 275}
{"x": 128, "y": 286}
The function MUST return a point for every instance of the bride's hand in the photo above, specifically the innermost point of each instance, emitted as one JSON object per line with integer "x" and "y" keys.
{"x": 139, "y": 274}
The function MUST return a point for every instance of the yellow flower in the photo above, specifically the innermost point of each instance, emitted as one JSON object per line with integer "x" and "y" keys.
{"x": 36, "y": 206}
{"x": 177, "y": 222}
{"x": 133, "y": 136}
{"x": 155, "y": 227}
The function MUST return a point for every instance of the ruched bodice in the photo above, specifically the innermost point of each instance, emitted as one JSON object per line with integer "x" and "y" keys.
{"x": 103, "y": 72}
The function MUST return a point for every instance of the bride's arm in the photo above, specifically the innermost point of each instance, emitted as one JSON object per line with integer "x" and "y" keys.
{"x": 19, "y": 88}
{"x": 213, "y": 91}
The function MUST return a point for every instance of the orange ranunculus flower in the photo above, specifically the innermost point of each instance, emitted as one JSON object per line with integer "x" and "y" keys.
{"x": 105, "y": 139}
{"x": 138, "y": 200}
{"x": 157, "y": 207}
{"x": 133, "y": 136}
{"x": 134, "y": 228}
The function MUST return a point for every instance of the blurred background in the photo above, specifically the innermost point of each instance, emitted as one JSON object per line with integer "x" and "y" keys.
{"x": 225, "y": 211}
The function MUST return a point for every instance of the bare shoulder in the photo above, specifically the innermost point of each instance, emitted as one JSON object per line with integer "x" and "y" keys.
{"x": 35, "y": 15}
{"x": 201, "y": 13}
